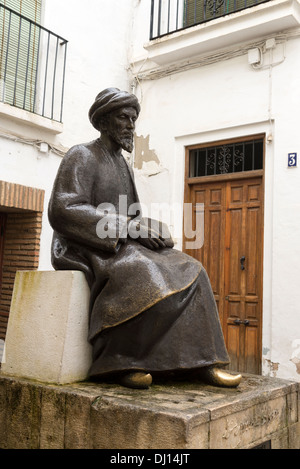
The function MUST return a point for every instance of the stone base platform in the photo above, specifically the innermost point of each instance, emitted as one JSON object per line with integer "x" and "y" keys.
{"x": 171, "y": 415}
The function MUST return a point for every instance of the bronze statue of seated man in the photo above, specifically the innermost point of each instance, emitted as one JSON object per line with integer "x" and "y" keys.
{"x": 152, "y": 310}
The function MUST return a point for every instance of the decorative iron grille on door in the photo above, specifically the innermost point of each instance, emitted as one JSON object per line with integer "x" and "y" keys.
{"x": 32, "y": 60}
{"x": 228, "y": 158}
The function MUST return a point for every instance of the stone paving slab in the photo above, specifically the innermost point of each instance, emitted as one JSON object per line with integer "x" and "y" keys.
{"x": 171, "y": 415}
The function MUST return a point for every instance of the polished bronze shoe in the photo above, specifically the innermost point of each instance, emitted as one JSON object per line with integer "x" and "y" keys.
{"x": 137, "y": 380}
{"x": 217, "y": 377}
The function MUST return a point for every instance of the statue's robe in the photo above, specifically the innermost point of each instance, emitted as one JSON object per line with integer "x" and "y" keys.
{"x": 149, "y": 310}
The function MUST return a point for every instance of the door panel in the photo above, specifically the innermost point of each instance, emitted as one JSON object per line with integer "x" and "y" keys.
{"x": 232, "y": 256}
{"x": 214, "y": 228}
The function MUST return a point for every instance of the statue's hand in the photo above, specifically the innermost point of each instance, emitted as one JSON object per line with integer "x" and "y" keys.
{"x": 149, "y": 238}
{"x": 169, "y": 243}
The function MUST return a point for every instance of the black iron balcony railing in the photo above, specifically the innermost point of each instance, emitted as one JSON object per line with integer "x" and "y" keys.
{"x": 32, "y": 65}
{"x": 168, "y": 16}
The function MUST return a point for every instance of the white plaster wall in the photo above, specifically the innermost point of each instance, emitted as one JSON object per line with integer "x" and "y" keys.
{"x": 226, "y": 100}
{"x": 26, "y": 165}
{"x": 99, "y": 34}
{"x": 285, "y": 323}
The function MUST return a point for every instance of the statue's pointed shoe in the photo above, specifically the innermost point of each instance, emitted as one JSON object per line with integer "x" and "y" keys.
{"x": 137, "y": 380}
{"x": 218, "y": 377}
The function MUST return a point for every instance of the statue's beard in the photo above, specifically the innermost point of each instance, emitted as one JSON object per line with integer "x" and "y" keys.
{"x": 125, "y": 141}
{"x": 127, "y": 144}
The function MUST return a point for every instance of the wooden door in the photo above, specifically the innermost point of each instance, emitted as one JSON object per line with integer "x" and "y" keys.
{"x": 232, "y": 255}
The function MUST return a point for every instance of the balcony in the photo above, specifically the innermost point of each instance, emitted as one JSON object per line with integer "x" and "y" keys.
{"x": 32, "y": 66}
{"x": 185, "y": 29}
{"x": 169, "y": 16}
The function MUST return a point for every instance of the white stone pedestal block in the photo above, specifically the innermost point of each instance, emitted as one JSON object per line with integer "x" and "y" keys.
{"x": 48, "y": 327}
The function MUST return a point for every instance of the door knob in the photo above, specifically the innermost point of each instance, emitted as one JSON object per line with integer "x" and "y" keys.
{"x": 239, "y": 322}
{"x": 242, "y": 261}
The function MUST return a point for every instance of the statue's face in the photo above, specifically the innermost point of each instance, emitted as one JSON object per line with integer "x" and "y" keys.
{"x": 120, "y": 127}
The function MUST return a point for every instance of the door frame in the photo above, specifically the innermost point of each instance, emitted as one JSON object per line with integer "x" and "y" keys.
{"x": 189, "y": 182}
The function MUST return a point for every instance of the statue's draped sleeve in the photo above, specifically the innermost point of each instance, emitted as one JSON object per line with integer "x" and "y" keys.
{"x": 125, "y": 278}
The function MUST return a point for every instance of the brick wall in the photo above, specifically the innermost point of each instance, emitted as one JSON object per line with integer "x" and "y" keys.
{"x": 24, "y": 207}
{"x": 21, "y": 252}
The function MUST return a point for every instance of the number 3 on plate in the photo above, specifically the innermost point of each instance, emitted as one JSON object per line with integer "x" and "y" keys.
{"x": 292, "y": 160}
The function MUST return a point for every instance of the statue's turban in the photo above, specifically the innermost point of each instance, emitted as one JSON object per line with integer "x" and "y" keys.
{"x": 110, "y": 100}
